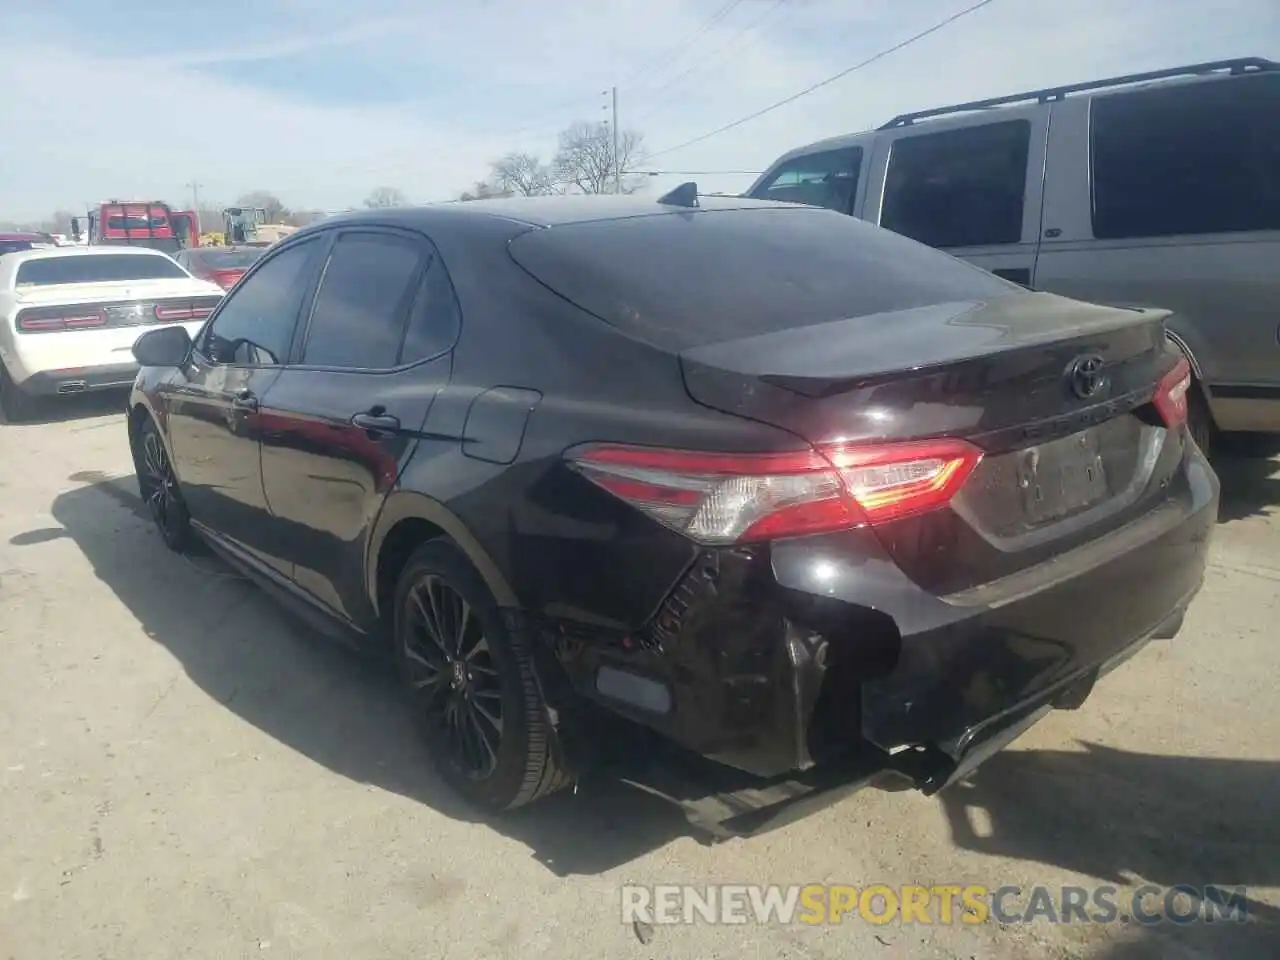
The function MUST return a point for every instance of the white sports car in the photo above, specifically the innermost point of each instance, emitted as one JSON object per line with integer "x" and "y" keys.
{"x": 69, "y": 317}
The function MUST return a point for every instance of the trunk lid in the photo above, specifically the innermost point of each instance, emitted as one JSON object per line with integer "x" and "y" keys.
{"x": 115, "y": 290}
{"x": 953, "y": 368}
{"x": 1056, "y": 393}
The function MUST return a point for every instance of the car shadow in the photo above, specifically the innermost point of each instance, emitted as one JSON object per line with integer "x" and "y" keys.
{"x": 1132, "y": 818}
{"x": 336, "y": 707}
{"x": 80, "y": 406}
{"x": 1250, "y": 478}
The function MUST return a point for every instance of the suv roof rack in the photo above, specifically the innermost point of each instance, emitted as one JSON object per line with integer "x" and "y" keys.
{"x": 1242, "y": 65}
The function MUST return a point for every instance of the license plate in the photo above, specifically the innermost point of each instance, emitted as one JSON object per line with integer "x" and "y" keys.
{"x": 1061, "y": 478}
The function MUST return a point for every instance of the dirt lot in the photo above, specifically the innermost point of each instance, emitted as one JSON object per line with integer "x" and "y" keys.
{"x": 185, "y": 773}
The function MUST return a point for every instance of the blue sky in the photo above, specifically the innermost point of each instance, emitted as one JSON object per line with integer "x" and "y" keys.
{"x": 319, "y": 101}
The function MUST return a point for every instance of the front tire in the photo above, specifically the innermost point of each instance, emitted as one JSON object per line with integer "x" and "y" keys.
{"x": 159, "y": 488}
{"x": 472, "y": 686}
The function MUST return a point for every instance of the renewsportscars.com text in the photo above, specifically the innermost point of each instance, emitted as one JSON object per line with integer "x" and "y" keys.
{"x": 817, "y": 904}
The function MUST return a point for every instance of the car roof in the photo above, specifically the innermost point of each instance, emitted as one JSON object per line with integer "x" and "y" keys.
{"x": 52, "y": 252}
{"x": 37, "y": 237}
{"x": 532, "y": 211}
{"x": 965, "y": 114}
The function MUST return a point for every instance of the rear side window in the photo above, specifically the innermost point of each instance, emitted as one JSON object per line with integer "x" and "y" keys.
{"x": 959, "y": 188}
{"x": 96, "y": 269}
{"x": 685, "y": 280}
{"x": 1186, "y": 160}
{"x": 363, "y": 301}
{"x": 828, "y": 179}
{"x": 436, "y": 318}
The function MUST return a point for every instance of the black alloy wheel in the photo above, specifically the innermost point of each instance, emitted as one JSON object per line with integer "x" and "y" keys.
{"x": 450, "y": 666}
{"x": 472, "y": 685}
{"x": 159, "y": 489}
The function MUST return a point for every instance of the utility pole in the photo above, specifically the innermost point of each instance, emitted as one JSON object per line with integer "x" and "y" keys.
{"x": 195, "y": 194}
{"x": 617, "y": 161}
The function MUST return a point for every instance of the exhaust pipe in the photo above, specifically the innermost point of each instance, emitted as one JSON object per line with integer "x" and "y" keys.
{"x": 72, "y": 386}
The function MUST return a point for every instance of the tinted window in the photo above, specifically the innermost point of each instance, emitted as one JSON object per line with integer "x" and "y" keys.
{"x": 363, "y": 302}
{"x": 255, "y": 325}
{"x": 959, "y": 188}
{"x": 1201, "y": 158}
{"x": 827, "y": 179}
{"x": 436, "y": 316}
{"x": 102, "y": 268}
{"x": 685, "y": 280}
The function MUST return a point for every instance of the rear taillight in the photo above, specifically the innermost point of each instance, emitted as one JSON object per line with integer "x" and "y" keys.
{"x": 1171, "y": 394}
{"x": 173, "y": 314}
{"x": 45, "y": 322}
{"x": 717, "y": 498}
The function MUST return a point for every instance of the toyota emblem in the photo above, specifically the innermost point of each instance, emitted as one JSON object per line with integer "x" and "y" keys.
{"x": 1085, "y": 376}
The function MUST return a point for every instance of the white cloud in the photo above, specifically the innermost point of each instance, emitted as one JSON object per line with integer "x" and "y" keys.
{"x": 508, "y": 73}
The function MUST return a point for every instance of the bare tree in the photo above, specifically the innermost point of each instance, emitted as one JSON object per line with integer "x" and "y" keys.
{"x": 585, "y": 160}
{"x": 386, "y": 197}
{"x": 522, "y": 174}
{"x": 276, "y": 211}
{"x": 483, "y": 190}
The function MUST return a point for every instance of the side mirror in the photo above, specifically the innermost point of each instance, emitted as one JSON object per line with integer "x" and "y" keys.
{"x": 166, "y": 347}
{"x": 75, "y": 228}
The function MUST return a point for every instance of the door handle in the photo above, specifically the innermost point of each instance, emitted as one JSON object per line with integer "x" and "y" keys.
{"x": 245, "y": 401}
{"x": 376, "y": 422}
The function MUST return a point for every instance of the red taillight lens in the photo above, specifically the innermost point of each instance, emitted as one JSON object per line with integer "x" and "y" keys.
{"x": 172, "y": 313}
{"x": 1171, "y": 394}
{"x": 717, "y": 498}
{"x": 226, "y": 279}
{"x": 44, "y": 322}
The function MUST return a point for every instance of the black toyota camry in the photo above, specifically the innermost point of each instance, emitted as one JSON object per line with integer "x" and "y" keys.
{"x": 798, "y": 495}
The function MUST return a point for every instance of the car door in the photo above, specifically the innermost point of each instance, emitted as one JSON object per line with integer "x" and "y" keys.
{"x": 213, "y": 404}
{"x": 972, "y": 189}
{"x": 341, "y": 422}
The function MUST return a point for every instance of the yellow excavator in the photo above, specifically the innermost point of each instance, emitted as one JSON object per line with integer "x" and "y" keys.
{"x": 240, "y": 225}
{"x": 247, "y": 226}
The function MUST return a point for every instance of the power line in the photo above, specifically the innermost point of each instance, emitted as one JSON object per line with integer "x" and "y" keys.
{"x": 650, "y": 67}
{"x": 695, "y": 173}
{"x": 822, "y": 83}
{"x": 732, "y": 44}
{"x": 660, "y": 61}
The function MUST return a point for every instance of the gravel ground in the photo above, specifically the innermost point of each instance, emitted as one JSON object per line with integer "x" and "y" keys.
{"x": 184, "y": 772}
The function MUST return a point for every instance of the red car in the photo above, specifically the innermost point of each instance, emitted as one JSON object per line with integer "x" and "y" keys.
{"x": 223, "y": 265}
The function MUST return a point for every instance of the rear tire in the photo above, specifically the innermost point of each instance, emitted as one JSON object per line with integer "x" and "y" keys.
{"x": 158, "y": 485}
{"x": 472, "y": 685}
{"x": 1199, "y": 420}
{"x": 16, "y": 403}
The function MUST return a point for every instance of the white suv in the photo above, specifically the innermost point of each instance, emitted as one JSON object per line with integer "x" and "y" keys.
{"x": 69, "y": 317}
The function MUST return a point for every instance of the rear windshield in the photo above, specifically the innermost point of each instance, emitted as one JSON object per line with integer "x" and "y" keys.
{"x": 96, "y": 269}
{"x": 228, "y": 259}
{"x": 680, "y": 281}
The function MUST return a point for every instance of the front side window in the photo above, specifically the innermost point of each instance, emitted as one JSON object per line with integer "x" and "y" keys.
{"x": 1189, "y": 159}
{"x": 828, "y": 179}
{"x": 959, "y": 188}
{"x": 363, "y": 302}
{"x": 255, "y": 325}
